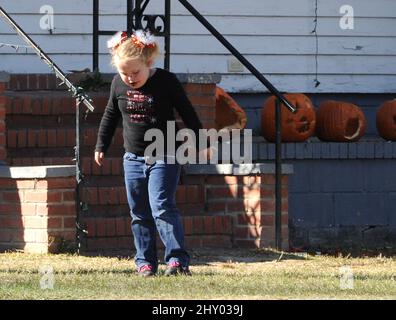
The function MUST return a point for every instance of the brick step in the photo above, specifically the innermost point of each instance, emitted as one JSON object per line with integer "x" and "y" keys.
{"x": 49, "y": 102}
{"x": 108, "y": 198}
{"x": 55, "y": 108}
{"x": 61, "y": 103}
{"x": 18, "y": 121}
{"x": 47, "y": 81}
{"x": 66, "y": 156}
{"x": 124, "y": 245}
{"x": 97, "y": 194}
{"x": 41, "y": 123}
{"x": 200, "y": 231}
{"x": 54, "y": 145}
{"x": 120, "y": 226}
{"x": 234, "y": 207}
{"x": 55, "y": 137}
{"x": 111, "y": 165}
{"x": 39, "y": 161}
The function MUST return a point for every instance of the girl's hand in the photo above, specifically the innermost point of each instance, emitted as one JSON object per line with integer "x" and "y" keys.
{"x": 99, "y": 158}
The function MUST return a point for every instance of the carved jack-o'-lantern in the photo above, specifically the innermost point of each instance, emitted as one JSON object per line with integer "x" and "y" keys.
{"x": 296, "y": 127}
{"x": 228, "y": 113}
{"x": 340, "y": 121}
{"x": 386, "y": 120}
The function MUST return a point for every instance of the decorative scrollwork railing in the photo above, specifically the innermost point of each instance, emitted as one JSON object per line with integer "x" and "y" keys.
{"x": 158, "y": 24}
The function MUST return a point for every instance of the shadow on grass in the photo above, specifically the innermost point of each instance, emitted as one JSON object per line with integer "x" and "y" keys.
{"x": 203, "y": 256}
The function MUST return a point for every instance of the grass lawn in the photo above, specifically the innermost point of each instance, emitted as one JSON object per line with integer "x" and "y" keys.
{"x": 217, "y": 274}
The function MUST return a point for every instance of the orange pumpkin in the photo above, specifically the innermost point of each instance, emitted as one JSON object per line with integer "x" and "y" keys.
{"x": 340, "y": 121}
{"x": 296, "y": 127}
{"x": 386, "y": 120}
{"x": 228, "y": 113}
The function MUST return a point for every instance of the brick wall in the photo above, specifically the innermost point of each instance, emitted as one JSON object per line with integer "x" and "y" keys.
{"x": 3, "y": 102}
{"x": 246, "y": 198}
{"x": 218, "y": 210}
{"x": 41, "y": 124}
{"x": 37, "y": 214}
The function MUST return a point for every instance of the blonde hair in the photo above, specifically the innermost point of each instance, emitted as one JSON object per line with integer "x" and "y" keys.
{"x": 131, "y": 51}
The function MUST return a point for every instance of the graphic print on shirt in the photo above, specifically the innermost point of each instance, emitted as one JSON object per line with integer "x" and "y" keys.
{"x": 140, "y": 107}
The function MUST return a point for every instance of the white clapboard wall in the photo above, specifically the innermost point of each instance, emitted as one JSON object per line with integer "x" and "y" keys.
{"x": 275, "y": 35}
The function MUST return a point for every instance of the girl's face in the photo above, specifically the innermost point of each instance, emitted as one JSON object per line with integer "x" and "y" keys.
{"x": 134, "y": 72}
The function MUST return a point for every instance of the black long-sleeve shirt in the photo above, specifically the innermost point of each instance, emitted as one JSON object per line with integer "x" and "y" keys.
{"x": 150, "y": 106}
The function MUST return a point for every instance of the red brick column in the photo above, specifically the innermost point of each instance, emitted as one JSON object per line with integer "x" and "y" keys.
{"x": 37, "y": 208}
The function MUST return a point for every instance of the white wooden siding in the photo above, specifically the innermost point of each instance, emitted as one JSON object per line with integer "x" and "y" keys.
{"x": 275, "y": 35}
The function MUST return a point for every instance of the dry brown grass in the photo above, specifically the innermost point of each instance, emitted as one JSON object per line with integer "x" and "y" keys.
{"x": 225, "y": 274}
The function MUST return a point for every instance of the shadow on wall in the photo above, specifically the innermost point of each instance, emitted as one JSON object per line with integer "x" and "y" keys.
{"x": 12, "y": 235}
{"x": 37, "y": 209}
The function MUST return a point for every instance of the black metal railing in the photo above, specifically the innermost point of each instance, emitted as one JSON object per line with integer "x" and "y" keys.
{"x": 135, "y": 16}
{"x": 280, "y": 100}
{"x": 81, "y": 98}
{"x": 136, "y": 19}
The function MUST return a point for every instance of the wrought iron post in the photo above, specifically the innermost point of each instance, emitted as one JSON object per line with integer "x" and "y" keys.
{"x": 167, "y": 34}
{"x": 95, "y": 36}
{"x": 80, "y": 231}
{"x": 136, "y": 19}
{"x": 278, "y": 175}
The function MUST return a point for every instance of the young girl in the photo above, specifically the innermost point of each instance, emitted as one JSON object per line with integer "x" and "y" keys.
{"x": 145, "y": 98}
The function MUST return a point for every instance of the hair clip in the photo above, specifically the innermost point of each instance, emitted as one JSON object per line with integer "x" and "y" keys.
{"x": 116, "y": 40}
{"x": 140, "y": 38}
{"x": 143, "y": 39}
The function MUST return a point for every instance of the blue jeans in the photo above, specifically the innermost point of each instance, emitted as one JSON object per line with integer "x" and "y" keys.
{"x": 151, "y": 193}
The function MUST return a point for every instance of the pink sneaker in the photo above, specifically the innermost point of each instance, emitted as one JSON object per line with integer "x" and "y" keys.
{"x": 146, "y": 271}
{"x": 175, "y": 268}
